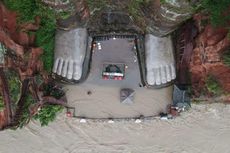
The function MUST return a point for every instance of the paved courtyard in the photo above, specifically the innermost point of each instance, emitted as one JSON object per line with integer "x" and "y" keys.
{"x": 98, "y": 98}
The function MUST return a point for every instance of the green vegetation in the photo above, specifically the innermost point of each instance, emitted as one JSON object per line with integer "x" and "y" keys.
{"x": 163, "y": 1}
{"x": 226, "y": 58}
{"x": 96, "y": 5}
{"x": 219, "y": 16}
{"x": 64, "y": 14}
{"x": 14, "y": 85}
{"x": 45, "y": 39}
{"x": 14, "y": 88}
{"x": 216, "y": 10}
{"x": 47, "y": 114}
{"x": 197, "y": 101}
{"x": 134, "y": 7}
{"x": 213, "y": 86}
{"x": 24, "y": 119}
{"x": 28, "y": 10}
{"x": 2, "y": 52}
{"x": 1, "y": 103}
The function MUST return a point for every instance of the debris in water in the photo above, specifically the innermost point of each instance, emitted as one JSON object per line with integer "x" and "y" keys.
{"x": 82, "y": 120}
{"x": 138, "y": 121}
{"x": 163, "y": 116}
{"x": 69, "y": 114}
{"x": 110, "y": 121}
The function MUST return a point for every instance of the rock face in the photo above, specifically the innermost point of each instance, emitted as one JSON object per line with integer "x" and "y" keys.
{"x": 77, "y": 12}
{"x": 164, "y": 17}
{"x": 108, "y": 21}
{"x": 23, "y": 58}
{"x": 206, "y": 59}
{"x": 155, "y": 17}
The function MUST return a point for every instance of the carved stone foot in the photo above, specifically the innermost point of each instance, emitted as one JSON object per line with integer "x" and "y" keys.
{"x": 70, "y": 51}
{"x": 160, "y": 63}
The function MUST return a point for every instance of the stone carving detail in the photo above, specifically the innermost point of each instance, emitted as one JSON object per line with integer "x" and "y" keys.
{"x": 70, "y": 51}
{"x": 160, "y": 63}
{"x": 163, "y": 17}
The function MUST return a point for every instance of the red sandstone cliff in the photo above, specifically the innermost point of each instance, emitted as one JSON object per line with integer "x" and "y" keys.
{"x": 206, "y": 59}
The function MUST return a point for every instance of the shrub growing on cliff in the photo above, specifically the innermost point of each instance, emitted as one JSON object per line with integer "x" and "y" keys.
{"x": 1, "y": 103}
{"x": 32, "y": 93}
{"x": 216, "y": 9}
{"x": 96, "y": 5}
{"x": 134, "y": 7}
{"x": 14, "y": 85}
{"x": 213, "y": 86}
{"x": 226, "y": 58}
{"x": 28, "y": 10}
{"x": 48, "y": 114}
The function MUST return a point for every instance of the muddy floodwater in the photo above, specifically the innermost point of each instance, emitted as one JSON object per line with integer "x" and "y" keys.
{"x": 98, "y": 98}
{"x": 203, "y": 129}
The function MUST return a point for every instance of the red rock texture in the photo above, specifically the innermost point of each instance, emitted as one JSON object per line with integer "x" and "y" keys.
{"x": 16, "y": 39}
{"x": 2, "y": 119}
{"x": 206, "y": 59}
{"x": 222, "y": 73}
{"x": 7, "y": 19}
{"x": 13, "y": 36}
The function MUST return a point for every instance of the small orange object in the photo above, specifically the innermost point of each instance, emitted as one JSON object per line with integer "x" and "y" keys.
{"x": 68, "y": 114}
{"x": 120, "y": 78}
{"x": 105, "y": 77}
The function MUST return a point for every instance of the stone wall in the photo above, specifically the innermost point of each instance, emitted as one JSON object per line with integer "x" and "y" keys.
{"x": 164, "y": 17}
